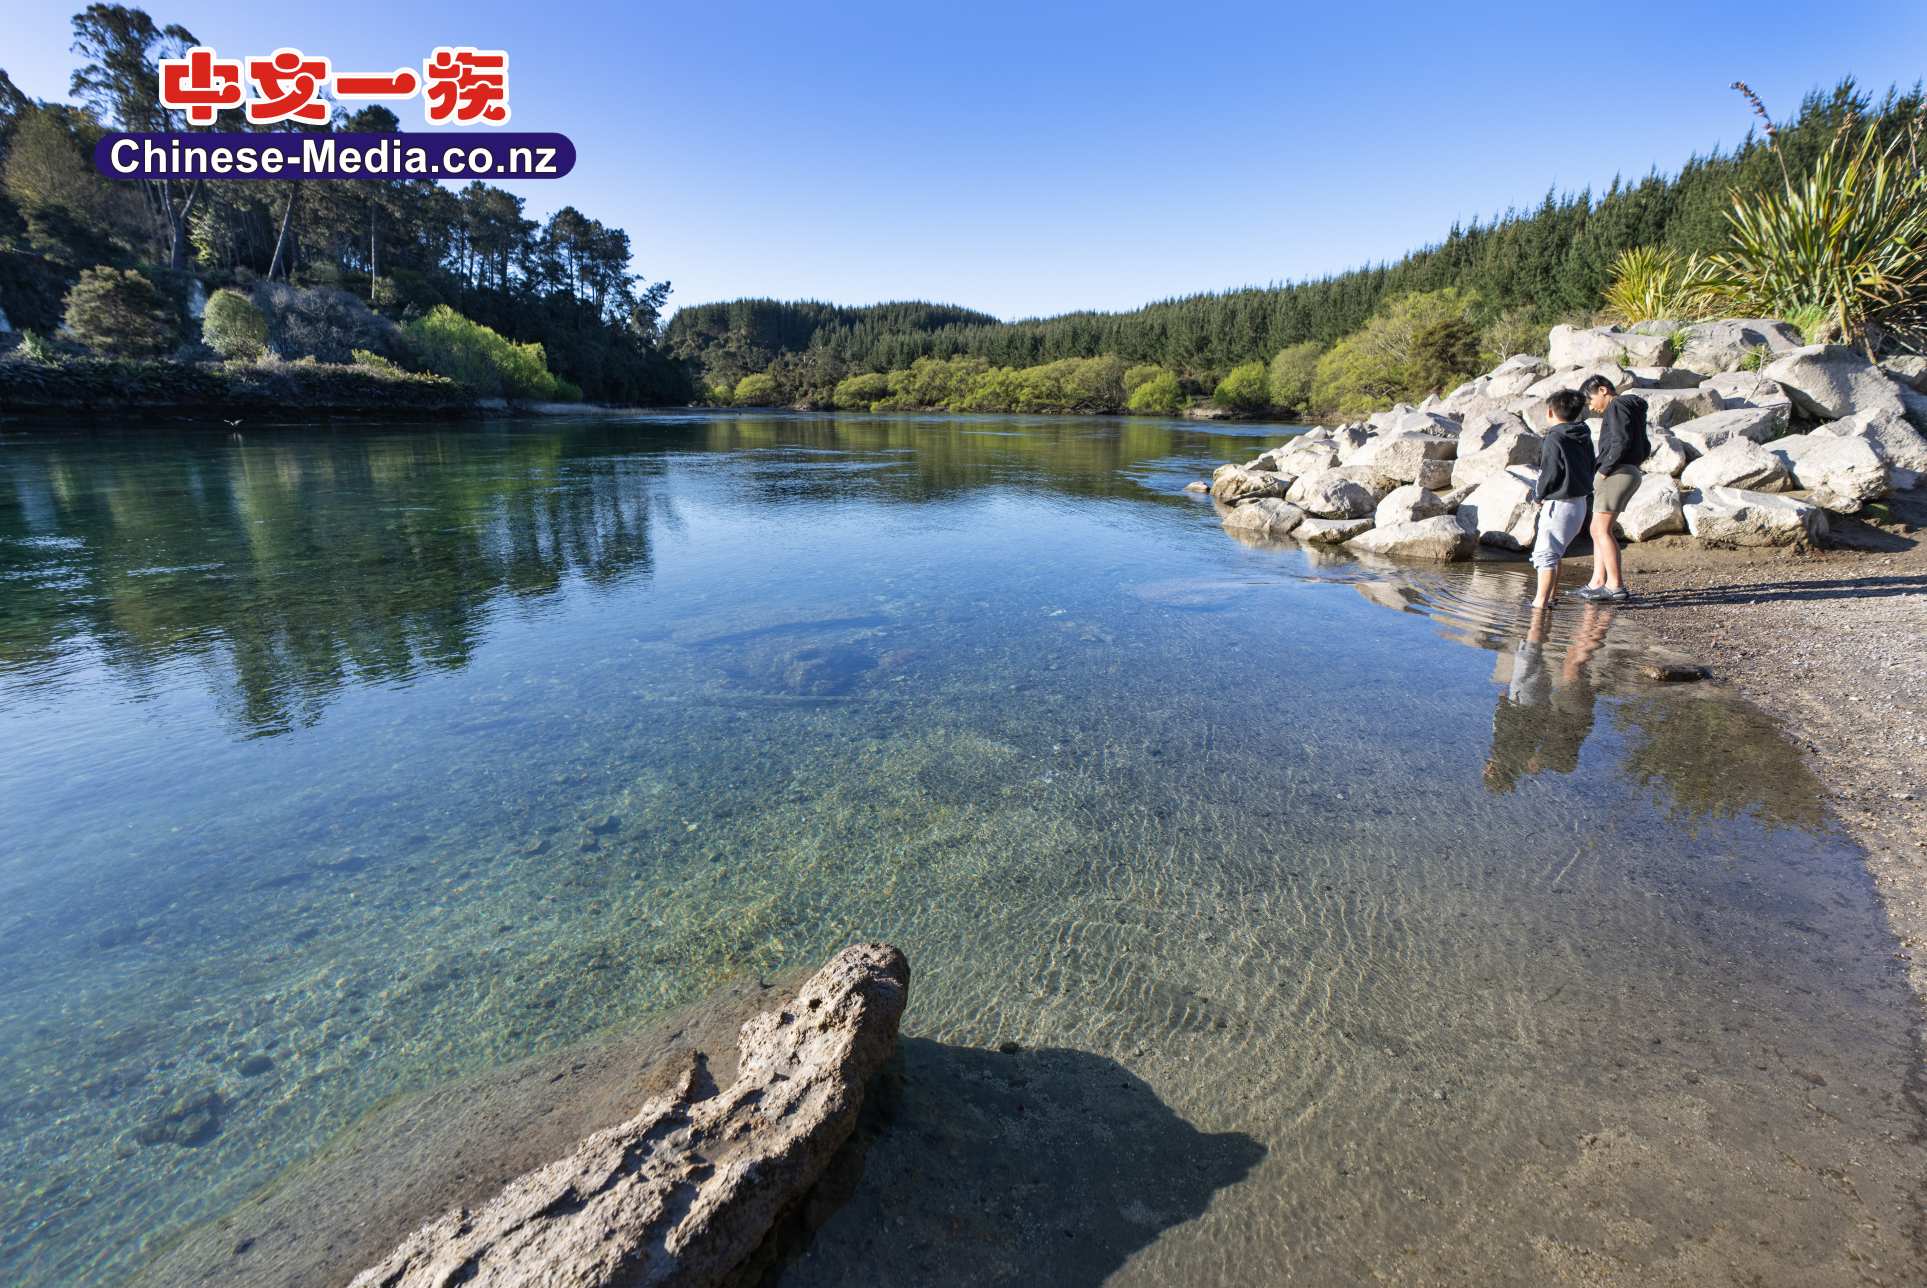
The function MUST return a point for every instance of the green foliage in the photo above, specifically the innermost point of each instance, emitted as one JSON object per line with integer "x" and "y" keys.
{"x": 120, "y": 312}
{"x": 321, "y": 322}
{"x": 1292, "y": 371}
{"x": 1754, "y": 358}
{"x": 1244, "y": 388}
{"x": 233, "y": 327}
{"x": 1158, "y": 394}
{"x": 1414, "y": 345}
{"x": 860, "y": 393}
{"x": 1848, "y": 236}
{"x": 1652, "y": 282}
{"x": 1138, "y": 375}
{"x": 377, "y": 362}
{"x": 481, "y": 359}
{"x": 1814, "y": 322}
{"x": 757, "y": 390}
{"x": 1515, "y": 331}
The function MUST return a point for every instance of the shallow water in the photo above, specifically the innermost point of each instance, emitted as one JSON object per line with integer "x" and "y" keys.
{"x": 341, "y": 763}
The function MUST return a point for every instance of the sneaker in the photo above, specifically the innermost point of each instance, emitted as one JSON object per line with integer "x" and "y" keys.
{"x": 1592, "y": 594}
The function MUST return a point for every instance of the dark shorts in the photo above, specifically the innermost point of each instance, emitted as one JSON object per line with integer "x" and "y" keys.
{"x": 1611, "y": 492}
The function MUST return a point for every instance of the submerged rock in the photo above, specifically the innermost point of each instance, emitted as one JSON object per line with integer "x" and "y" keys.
{"x": 685, "y": 1191}
{"x": 1441, "y": 539}
{"x": 1266, "y": 517}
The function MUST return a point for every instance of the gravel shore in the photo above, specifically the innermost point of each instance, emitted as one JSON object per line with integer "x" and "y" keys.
{"x": 1833, "y": 644}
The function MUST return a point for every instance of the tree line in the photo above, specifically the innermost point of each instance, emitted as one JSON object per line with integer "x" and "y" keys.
{"x": 404, "y": 247}
{"x": 1505, "y": 280}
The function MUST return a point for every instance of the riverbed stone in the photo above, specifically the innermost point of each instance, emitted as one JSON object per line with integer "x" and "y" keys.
{"x": 686, "y": 1191}
{"x": 1400, "y": 457}
{"x": 1840, "y": 474}
{"x": 1571, "y": 346}
{"x": 1441, "y": 539}
{"x": 1330, "y": 532}
{"x": 1832, "y": 381}
{"x": 1328, "y": 494}
{"x": 1266, "y": 516}
{"x": 1656, "y": 509}
{"x": 1738, "y": 463}
{"x": 1724, "y": 516}
{"x": 1406, "y": 503}
{"x": 1501, "y": 512}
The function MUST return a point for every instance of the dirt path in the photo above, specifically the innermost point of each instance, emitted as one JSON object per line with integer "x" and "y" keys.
{"x": 1832, "y": 643}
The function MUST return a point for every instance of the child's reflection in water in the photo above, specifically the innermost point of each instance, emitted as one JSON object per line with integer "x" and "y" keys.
{"x": 1544, "y": 718}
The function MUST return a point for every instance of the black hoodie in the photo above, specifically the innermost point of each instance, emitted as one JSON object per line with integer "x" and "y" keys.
{"x": 1622, "y": 434}
{"x": 1565, "y": 464}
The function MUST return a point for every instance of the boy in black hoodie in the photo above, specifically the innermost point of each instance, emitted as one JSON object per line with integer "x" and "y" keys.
{"x": 1566, "y": 464}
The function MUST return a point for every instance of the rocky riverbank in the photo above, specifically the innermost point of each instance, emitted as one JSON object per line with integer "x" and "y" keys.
{"x": 1758, "y": 441}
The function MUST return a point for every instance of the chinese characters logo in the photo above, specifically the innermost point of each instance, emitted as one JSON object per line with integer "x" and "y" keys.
{"x": 459, "y": 85}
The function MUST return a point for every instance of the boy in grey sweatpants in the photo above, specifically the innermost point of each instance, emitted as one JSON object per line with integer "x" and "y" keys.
{"x": 1564, "y": 489}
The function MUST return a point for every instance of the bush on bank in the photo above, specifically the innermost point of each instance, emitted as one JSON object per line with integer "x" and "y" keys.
{"x": 482, "y": 360}
{"x": 269, "y": 388}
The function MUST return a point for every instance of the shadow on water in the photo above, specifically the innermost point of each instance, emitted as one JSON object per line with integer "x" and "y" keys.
{"x": 1046, "y": 1166}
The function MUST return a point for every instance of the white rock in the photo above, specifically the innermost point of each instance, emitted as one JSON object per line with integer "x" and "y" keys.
{"x": 1655, "y": 510}
{"x": 1330, "y": 532}
{"x": 1723, "y": 345}
{"x": 1234, "y": 483}
{"x": 1570, "y": 346}
{"x": 1433, "y": 475}
{"x": 1348, "y": 439}
{"x": 1501, "y": 512}
{"x": 1756, "y": 424}
{"x": 1665, "y": 377}
{"x": 1330, "y": 495}
{"x": 1666, "y": 408}
{"x": 1897, "y": 442}
{"x": 1514, "y": 376}
{"x": 1840, "y": 474}
{"x": 1909, "y": 370}
{"x": 1749, "y": 389}
{"x": 1573, "y": 377}
{"x": 1267, "y": 516}
{"x": 1738, "y": 463}
{"x": 1669, "y": 456}
{"x": 1405, "y": 504}
{"x": 1731, "y": 517}
{"x": 1441, "y": 539}
{"x": 1833, "y": 381}
{"x": 1399, "y": 456}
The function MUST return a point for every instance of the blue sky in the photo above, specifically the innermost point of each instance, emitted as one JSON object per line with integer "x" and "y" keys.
{"x": 1029, "y": 159}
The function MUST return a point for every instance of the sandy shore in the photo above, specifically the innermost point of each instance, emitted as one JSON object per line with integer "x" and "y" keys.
{"x": 1833, "y": 644}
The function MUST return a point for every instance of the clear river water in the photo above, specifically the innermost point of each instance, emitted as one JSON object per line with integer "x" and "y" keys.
{"x": 1274, "y": 918}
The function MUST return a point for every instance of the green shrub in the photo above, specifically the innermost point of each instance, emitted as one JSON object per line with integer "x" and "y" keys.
{"x": 1135, "y": 377}
{"x": 376, "y": 362}
{"x": 1244, "y": 388}
{"x": 758, "y": 390}
{"x": 1651, "y": 282}
{"x": 481, "y": 359}
{"x": 1849, "y": 239}
{"x": 1513, "y": 332}
{"x": 859, "y": 393}
{"x": 1754, "y": 358}
{"x": 233, "y": 327}
{"x": 1445, "y": 354}
{"x": 1158, "y": 394}
{"x": 1406, "y": 349}
{"x": 321, "y": 322}
{"x": 120, "y": 312}
{"x": 35, "y": 347}
{"x": 1289, "y": 379}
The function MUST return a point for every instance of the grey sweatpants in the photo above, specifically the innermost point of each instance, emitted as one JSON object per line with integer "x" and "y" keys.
{"x": 1559, "y": 523}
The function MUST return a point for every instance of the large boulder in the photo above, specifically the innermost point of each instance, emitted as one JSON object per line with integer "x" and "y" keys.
{"x": 1441, "y": 539}
{"x": 1348, "y": 439}
{"x": 1833, "y": 381}
{"x": 1234, "y": 483}
{"x": 1508, "y": 444}
{"x": 1738, "y": 463}
{"x": 687, "y": 1190}
{"x": 1422, "y": 421}
{"x": 1756, "y": 424}
{"x": 1401, "y": 457}
{"x": 1406, "y": 503}
{"x": 1910, "y": 371}
{"x": 1570, "y": 346}
{"x": 1669, "y": 455}
{"x": 1730, "y": 517}
{"x": 1328, "y": 494}
{"x": 1665, "y": 378}
{"x": 1266, "y": 517}
{"x": 1501, "y": 512}
{"x": 1298, "y": 457}
{"x": 1714, "y": 347}
{"x": 1839, "y": 474}
{"x": 1666, "y": 408}
{"x": 1749, "y": 389}
{"x": 1514, "y": 376}
{"x": 1378, "y": 420}
{"x": 1655, "y": 510}
{"x": 1898, "y": 442}
{"x": 1330, "y": 532}
{"x": 1571, "y": 377}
